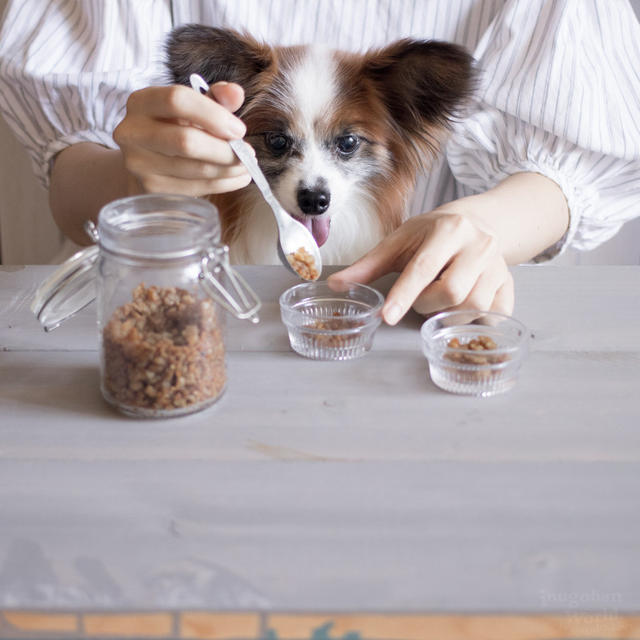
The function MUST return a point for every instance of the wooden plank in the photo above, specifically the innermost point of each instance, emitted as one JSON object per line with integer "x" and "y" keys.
{"x": 580, "y": 308}
{"x": 144, "y": 625}
{"x": 418, "y": 500}
{"x": 279, "y": 406}
{"x": 220, "y": 626}
{"x": 475, "y": 537}
{"x": 329, "y": 626}
{"x": 427, "y": 627}
{"x": 38, "y": 622}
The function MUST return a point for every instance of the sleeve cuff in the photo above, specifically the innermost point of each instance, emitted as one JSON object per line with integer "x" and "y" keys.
{"x": 579, "y": 198}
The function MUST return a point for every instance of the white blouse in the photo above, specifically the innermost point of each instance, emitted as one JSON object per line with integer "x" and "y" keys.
{"x": 559, "y": 91}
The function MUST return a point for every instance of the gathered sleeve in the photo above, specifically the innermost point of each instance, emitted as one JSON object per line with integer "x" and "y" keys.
{"x": 68, "y": 66}
{"x": 559, "y": 95}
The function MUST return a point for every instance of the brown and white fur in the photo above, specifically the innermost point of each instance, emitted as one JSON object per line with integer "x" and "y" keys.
{"x": 339, "y": 136}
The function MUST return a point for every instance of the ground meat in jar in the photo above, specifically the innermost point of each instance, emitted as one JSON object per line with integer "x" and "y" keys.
{"x": 163, "y": 350}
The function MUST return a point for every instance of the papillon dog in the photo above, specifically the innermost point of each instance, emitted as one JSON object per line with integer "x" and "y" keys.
{"x": 340, "y": 136}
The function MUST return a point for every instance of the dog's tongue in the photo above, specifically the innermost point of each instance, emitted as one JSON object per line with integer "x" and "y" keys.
{"x": 319, "y": 228}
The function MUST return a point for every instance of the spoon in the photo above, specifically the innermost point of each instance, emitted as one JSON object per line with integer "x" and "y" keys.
{"x": 297, "y": 248}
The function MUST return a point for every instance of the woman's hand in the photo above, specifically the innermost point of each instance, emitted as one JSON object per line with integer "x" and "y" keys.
{"x": 174, "y": 140}
{"x": 456, "y": 256}
{"x": 447, "y": 260}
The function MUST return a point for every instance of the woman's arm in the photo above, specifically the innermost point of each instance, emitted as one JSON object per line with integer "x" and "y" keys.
{"x": 171, "y": 140}
{"x": 527, "y": 211}
{"x": 85, "y": 177}
{"x": 456, "y": 256}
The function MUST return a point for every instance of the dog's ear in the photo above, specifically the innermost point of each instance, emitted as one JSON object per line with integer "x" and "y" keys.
{"x": 423, "y": 84}
{"x": 215, "y": 54}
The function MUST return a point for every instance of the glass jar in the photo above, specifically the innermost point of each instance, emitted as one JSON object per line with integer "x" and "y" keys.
{"x": 162, "y": 279}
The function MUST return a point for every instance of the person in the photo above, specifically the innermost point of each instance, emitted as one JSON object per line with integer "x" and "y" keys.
{"x": 548, "y": 157}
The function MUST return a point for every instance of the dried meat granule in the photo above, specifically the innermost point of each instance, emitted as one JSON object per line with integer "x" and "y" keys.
{"x": 476, "y": 351}
{"x": 163, "y": 351}
{"x": 303, "y": 264}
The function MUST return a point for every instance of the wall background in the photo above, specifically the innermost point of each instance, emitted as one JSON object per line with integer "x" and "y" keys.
{"x": 28, "y": 235}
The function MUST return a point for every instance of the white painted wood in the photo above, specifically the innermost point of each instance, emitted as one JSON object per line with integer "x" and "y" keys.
{"x": 390, "y": 536}
{"x": 580, "y": 308}
{"x": 330, "y": 486}
{"x": 281, "y": 407}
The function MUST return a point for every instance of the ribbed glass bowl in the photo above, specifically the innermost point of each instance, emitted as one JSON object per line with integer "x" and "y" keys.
{"x": 331, "y": 321}
{"x": 480, "y": 371}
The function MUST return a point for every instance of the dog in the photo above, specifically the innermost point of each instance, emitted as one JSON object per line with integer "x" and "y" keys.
{"x": 339, "y": 136}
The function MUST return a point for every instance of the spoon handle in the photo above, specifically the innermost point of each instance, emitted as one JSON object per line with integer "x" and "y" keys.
{"x": 243, "y": 151}
{"x": 292, "y": 234}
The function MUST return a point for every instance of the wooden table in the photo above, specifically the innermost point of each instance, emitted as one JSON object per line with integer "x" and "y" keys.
{"x": 321, "y": 498}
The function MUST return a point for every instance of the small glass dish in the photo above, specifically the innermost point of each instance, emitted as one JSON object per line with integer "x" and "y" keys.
{"x": 331, "y": 321}
{"x": 475, "y": 353}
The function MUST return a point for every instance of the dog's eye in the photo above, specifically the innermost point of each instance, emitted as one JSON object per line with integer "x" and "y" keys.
{"x": 277, "y": 143}
{"x": 347, "y": 144}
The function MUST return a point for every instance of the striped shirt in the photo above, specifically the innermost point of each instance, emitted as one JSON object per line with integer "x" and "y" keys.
{"x": 559, "y": 91}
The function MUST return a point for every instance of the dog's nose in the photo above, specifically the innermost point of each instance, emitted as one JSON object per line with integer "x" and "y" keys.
{"x": 313, "y": 201}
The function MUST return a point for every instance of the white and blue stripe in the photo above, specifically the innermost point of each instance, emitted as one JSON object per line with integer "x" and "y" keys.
{"x": 560, "y": 91}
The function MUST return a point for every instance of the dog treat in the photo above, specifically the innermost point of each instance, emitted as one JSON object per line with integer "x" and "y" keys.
{"x": 476, "y": 351}
{"x": 163, "y": 350}
{"x": 303, "y": 264}
{"x": 337, "y": 323}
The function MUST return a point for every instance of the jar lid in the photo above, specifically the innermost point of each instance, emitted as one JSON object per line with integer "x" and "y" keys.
{"x": 69, "y": 289}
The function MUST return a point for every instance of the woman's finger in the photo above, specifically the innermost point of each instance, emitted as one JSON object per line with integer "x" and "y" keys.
{"x": 180, "y": 102}
{"x": 228, "y": 94}
{"x": 466, "y": 274}
{"x": 144, "y": 161}
{"x": 504, "y": 299}
{"x": 480, "y": 297}
{"x": 421, "y": 270}
{"x": 170, "y": 139}
{"x": 382, "y": 259}
{"x": 167, "y": 184}
{"x": 445, "y": 237}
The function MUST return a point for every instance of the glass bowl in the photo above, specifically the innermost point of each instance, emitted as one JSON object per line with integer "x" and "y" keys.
{"x": 334, "y": 321}
{"x": 474, "y": 352}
